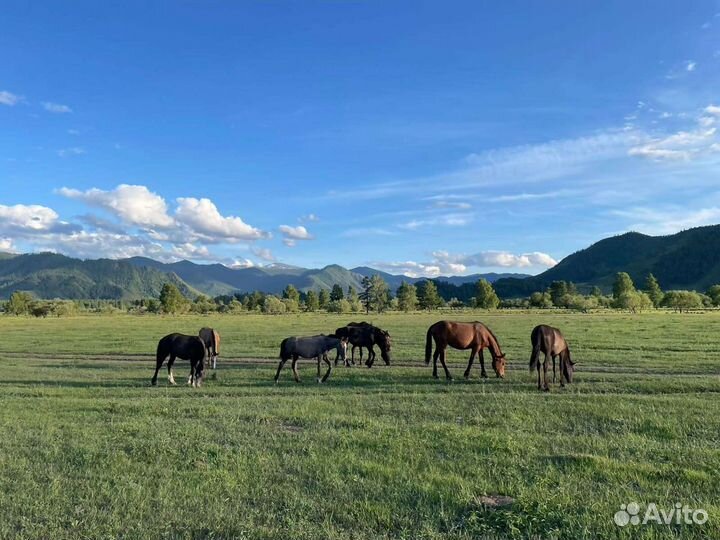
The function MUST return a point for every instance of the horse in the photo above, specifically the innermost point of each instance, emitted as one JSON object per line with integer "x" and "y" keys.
{"x": 310, "y": 347}
{"x": 211, "y": 338}
{"x": 550, "y": 341}
{"x": 344, "y": 331}
{"x": 463, "y": 335}
{"x": 366, "y": 335}
{"x": 181, "y": 346}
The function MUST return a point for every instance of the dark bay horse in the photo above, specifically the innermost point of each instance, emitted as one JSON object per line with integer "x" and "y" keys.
{"x": 462, "y": 335}
{"x": 181, "y": 346}
{"x": 310, "y": 347}
{"x": 550, "y": 341}
{"x": 366, "y": 335}
{"x": 211, "y": 338}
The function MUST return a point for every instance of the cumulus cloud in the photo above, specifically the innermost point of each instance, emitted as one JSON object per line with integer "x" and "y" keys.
{"x": 134, "y": 205}
{"x": 263, "y": 253}
{"x": 56, "y": 108}
{"x": 713, "y": 109}
{"x": 9, "y": 99}
{"x": 241, "y": 263}
{"x": 445, "y": 263}
{"x": 33, "y": 218}
{"x": 204, "y": 219}
{"x": 6, "y": 244}
{"x": 292, "y": 234}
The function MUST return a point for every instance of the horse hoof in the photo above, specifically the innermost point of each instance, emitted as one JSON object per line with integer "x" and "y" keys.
{"x": 484, "y": 375}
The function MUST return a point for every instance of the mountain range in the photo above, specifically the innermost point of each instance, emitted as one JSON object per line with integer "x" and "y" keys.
{"x": 686, "y": 260}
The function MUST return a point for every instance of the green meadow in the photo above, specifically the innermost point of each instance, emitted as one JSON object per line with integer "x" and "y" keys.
{"x": 89, "y": 450}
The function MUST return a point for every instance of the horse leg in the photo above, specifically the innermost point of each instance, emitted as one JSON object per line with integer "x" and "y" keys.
{"x": 371, "y": 356}
{"x": 329, "y": 369}
{"x": 553, "y": 359}
{"x": 538, "y": 373}
{"x": 481, "y": 356}
{"x": 279, "y": 369}
{"x": 171, "y": 361}
{"x": 318, "y": 365}
{"x": 473, "y": 352}
{"x": 545, "y": 370}
{"x": 562, "y": 370}
{"x": 294, "y": 368}
{"x": 158, "y": 365}
{"x": 436, "y": 355}
{"x": 442, "y": 360}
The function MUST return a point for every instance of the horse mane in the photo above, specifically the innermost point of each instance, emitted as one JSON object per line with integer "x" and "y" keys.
{"x": 496, "y": 343}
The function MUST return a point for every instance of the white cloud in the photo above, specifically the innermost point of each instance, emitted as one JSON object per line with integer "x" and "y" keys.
{"x": 190, "y": 251}
{"x": 204, "y": 219}
{"x": 668, "y": 219}
{"x": 73, "y": 151}
{"x": 56, "y": 107}
{"x": 308, "y": 218}
{"x": 263, "y": 253}
{"x": 690, "y": 65}
{"x": 241, "y": 263}
{"x": 448, "y": 220}
{"x": 452, "y": 204}
{"x": 134, "y": 205}
{"x": 9, "y": 99}
{"x": 713, "y": 109}
{"x": 6, "y": 245}
{"x": 292, "y": 234}
{"x": 32, "y": 217}
{"x": 503, "y": 259}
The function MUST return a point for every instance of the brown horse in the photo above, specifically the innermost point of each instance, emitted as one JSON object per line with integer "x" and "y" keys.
{"x": 462, "y": 335}
{"x": 551, "y": 342}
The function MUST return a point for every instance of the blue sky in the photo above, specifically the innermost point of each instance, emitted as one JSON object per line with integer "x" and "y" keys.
{"x": 418, "y": 137}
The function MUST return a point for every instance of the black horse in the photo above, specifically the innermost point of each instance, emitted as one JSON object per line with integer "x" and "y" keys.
{"x": 181, "y": 346}
{"x": 310, "y": 347}
{"x": 211, "y": 338}
{"x": 366, "y": 335}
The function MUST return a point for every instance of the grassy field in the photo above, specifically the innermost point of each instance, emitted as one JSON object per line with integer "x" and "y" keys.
{"x": 89, "y": 450}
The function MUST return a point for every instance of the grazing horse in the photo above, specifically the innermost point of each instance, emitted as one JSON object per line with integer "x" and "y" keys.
{"x": 549, "y": 340}
{"x": 462, "y": 335}
{"x": 181, "y": 346}
{"x": 366, "y": 335}
{"x": 310, "y": 347}
{"x": 211, "y": 338}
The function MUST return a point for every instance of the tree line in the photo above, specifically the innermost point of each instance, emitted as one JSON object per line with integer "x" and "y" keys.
{"x": 376, "y": 296}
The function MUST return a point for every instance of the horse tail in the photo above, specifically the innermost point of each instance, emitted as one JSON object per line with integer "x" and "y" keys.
{"x": 283, "y": 349}
{"x": 162, "y": 351}
{"x": 428, "y": 344}
{"x": 535, "y": 355}
{"x": 216, "y": 338}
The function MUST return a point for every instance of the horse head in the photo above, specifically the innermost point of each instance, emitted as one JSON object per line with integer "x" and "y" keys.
{"x": 385, "y": 345}
{"x": 498, "y": 364}
{"x": 567, "y": 365}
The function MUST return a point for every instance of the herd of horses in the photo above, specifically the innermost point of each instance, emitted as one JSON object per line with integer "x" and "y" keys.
{"x": 472, "y": 336}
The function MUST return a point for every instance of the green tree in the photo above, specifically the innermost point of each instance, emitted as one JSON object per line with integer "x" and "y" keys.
{"x": 714, "y": 294}
{"x": 291, "y": 293}
{"x": 623, "y": 284}
{"x": 336, "y": 293}
{"x": 596, "y": 291}
{"x": 428, "y": 295}
{"x": 653, "y": 290}
{"x": 312, "y": 303}
{"x": 272, "y": 304}
{"x": 366, "y": 294}
{"x": 172, "y": 299}
{"x": 380, "y": 293}
{"x": 323, "y": 299}
{"x": 352, "y": 294}
{"x": 682, "y": 300}
{"x": 633, "y": 301}
{"x": 485, "y": 295}
{"x": 558, "y": 290}
{"x": 541, "y": 300}
{"x": 19, "y": 303}
{"x": 339, "y": 306}
{"x": 407, "y": 297}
